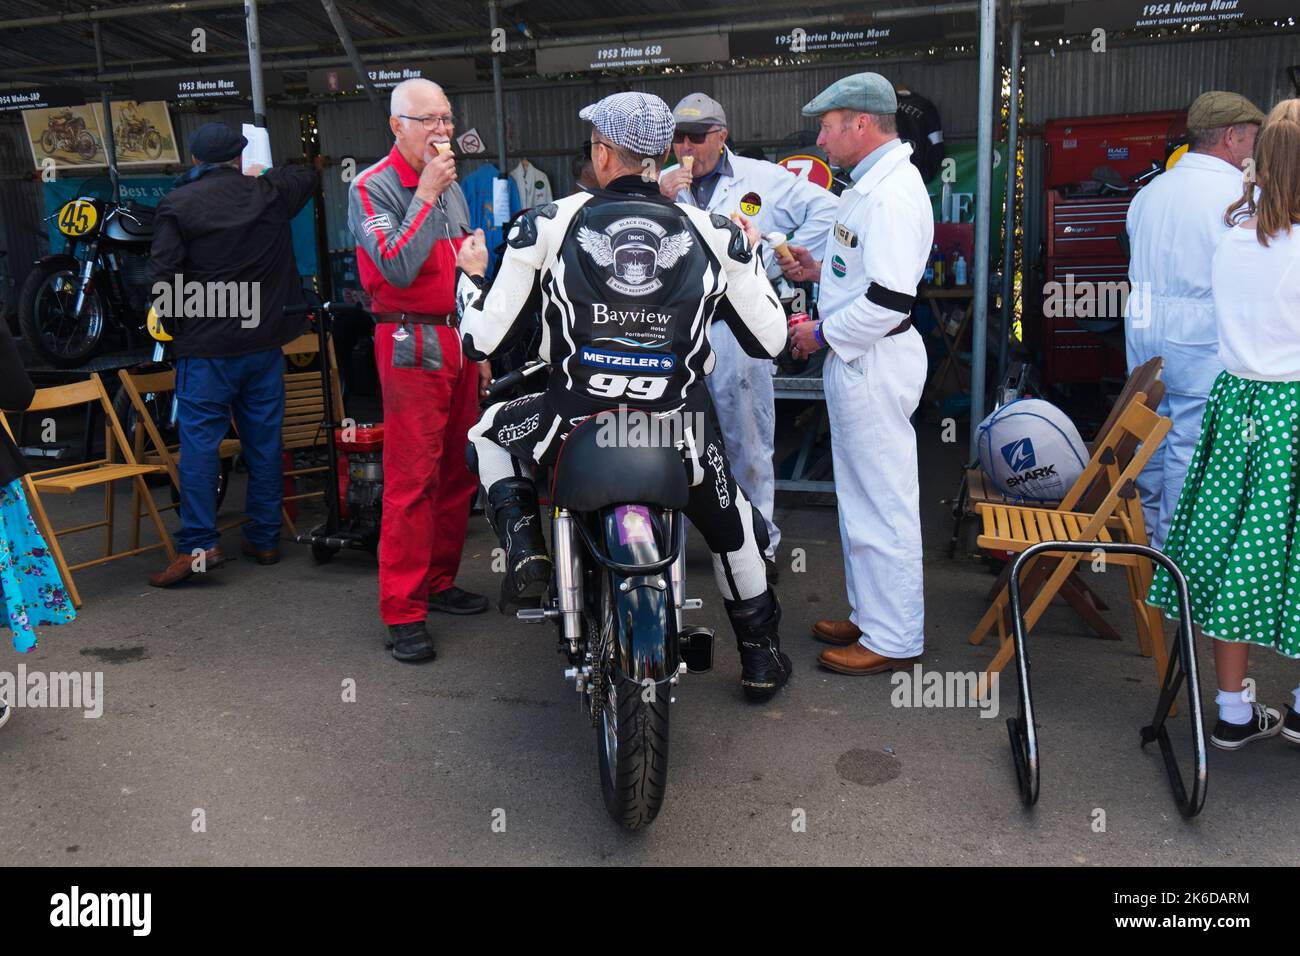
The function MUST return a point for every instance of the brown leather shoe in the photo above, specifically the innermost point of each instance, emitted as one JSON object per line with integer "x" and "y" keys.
{"x": 857, "y": 660}
{"x": 183, "y": 567}
{"x": 261, "y": 557}
{"x": 839, "y": 633}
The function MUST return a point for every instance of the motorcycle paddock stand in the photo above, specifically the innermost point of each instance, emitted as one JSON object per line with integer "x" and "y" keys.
{"x": 1025, "y": 749}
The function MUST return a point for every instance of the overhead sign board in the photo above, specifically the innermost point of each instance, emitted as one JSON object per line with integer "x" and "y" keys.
{"x": 343, "y": 79}
{"x": 1130, "y": 14}
{"x": 232, "y": 86}
{"x": 838, "y": 39}
{"x": 41, "y": 97}
{"x": 625, "y": 55}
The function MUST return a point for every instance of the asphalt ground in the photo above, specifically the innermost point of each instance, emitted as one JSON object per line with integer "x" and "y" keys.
{"x": 225, "y": 737}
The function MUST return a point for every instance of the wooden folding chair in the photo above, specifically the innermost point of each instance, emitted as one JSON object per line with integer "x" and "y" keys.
{"x": 979, "y": 490}
{"x": 1076, "y": 592}
{"x": 1116, "y": 516}
{"x": 147, "y": 443}
{"x": 304, "y": 413}
{"x": 68, "y": 479}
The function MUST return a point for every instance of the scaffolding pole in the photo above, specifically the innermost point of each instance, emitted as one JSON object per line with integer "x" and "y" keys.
{"x": 983, "y": 204}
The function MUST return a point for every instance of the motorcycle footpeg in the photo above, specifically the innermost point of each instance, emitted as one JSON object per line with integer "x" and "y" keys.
{"x": 695, "y": 649}
{"x": 537, "y": 615}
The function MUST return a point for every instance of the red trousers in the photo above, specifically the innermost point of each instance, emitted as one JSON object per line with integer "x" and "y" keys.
{"x": 430, "y": 402}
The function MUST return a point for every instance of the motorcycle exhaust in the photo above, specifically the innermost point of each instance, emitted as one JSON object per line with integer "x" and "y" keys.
{"x": 567, "y": 578}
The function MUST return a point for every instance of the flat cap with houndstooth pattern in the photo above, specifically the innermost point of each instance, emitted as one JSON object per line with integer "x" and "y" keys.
{"x": 640, "y": 122}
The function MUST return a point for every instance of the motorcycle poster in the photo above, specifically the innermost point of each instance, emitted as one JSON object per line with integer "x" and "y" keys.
{"x": 142, "y": 132}
{"x": 70, "y": 136}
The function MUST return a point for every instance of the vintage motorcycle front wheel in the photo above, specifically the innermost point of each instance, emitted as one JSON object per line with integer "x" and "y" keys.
{"x": 45, "y": 315}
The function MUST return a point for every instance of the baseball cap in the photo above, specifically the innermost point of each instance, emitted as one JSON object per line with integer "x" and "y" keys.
{"x": 864, "y": 92}
{"x": 216, "y": 143}
{"x": 1217, "y": 108}
{"x": 698, "y": 113}
{"x": 640, "y": 122}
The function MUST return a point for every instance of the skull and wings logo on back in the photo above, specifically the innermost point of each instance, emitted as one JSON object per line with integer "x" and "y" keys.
{"x": 635, "y": 251}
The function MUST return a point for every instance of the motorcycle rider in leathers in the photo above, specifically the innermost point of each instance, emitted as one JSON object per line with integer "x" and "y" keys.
{"x": 628, "y": 283}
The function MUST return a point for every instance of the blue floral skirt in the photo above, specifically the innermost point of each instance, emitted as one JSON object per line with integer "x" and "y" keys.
{"x": 33, "y": 590}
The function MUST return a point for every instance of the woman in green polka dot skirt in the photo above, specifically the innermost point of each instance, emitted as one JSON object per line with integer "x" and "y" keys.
{"x": 1236, "y": 533}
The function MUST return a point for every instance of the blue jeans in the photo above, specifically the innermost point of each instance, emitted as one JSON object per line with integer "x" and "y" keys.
{"x": 210, "y": 391}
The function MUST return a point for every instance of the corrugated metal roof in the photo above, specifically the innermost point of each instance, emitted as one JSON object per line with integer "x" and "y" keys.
{"x": 300, "y": 28}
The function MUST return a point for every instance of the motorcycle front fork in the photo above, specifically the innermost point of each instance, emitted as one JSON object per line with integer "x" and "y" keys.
{"x": 84, "y": 279}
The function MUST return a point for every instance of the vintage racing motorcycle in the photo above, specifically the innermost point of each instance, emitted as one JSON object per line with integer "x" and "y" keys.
{"x": 617, "y": 596}
{"x": 69, "y": 300}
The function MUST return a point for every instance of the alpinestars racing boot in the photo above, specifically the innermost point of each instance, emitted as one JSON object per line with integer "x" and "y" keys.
{"x": 512, "y": 511}
{"x": 763, "y": 668}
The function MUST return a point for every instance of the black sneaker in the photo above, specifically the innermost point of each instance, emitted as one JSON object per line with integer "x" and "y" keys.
{"x": 454, "y": 600}
{"x": 1264, "y": 722}
{"x": 1291, "y": 726}
{"x": 410, "y": 643}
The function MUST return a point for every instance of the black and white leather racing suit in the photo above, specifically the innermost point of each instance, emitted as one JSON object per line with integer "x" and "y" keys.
{"x": 628, "y": 284}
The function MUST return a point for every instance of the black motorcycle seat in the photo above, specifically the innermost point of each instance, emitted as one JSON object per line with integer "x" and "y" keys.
{"x": 592, "y": 473}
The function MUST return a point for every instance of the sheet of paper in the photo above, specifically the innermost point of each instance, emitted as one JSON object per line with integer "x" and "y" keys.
{"x": 500, "y": 202}
{"x": 258, "y": 150}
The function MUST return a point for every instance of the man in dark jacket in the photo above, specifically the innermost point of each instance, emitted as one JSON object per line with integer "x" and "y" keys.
{"x": 222, "y": 272}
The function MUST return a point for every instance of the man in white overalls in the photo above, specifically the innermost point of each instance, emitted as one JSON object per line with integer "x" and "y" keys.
{"x": 1174, "y": 225}
{"x": 875, "y": 257}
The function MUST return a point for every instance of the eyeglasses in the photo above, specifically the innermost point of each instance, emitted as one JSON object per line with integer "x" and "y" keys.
{"x": 696, "y": 138}
{"x": 586, "y": 147}
{"x": 431, "y": 123}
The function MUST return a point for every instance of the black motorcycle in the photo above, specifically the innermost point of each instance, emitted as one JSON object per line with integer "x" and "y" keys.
{"x": 617, "y": 597}
{"x": 67, "y": 132}
{"x": 139, "y": 137}
{"x": 99, "y": 280}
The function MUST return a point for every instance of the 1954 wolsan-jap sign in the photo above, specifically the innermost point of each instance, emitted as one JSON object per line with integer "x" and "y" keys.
{"x": 41, "y": 97}
{"x": 703, "y": 48}
{"x": 1125, "y": 14}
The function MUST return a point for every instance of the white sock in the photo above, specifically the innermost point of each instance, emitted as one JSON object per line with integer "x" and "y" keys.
{"x": 1296, "y": 695}
{"x": 1234, "y": 706}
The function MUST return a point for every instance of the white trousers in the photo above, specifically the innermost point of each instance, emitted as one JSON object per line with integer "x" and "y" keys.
{"x": 741, "y": 388}
{"x": 870, "y": 401}
{"x": 1161, "y": 481}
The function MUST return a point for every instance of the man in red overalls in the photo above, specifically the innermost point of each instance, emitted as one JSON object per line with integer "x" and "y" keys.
{"x": 408, "y": 216}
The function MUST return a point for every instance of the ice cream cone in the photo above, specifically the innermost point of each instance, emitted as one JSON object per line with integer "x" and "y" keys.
{"x": 443, "y": 147}
{"x": 688, "y": 162}
{"x": 777, "y": 241}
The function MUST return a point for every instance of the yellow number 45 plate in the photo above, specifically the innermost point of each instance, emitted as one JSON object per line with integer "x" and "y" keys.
{"x": 78, "y": 217}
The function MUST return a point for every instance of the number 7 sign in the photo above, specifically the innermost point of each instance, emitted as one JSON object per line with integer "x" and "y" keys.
{"x": 812, "y": 168}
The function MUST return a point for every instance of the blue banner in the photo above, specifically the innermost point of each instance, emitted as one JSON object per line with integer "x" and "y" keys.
{"x": 149, "y": 191}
